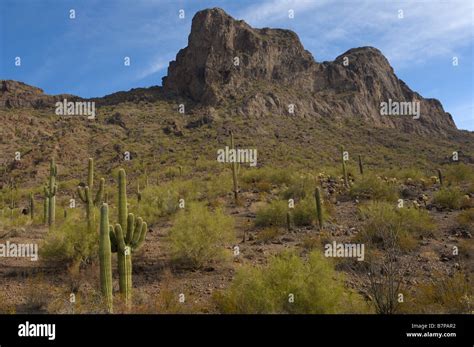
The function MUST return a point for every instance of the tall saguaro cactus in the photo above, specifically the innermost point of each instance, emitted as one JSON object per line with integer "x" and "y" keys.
{"x": 127, "y": 236}
{"x": 105, "y": 257}
{"x": 85, "y": 194}
{"x": 45, "y": 209}
{"x": 234, "y": 169}
{"x": 319, "y": 210}
{"x": 50, "y": 192}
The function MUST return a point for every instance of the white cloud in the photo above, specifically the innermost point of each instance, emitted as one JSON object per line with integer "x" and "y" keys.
{"x": 157, "y": 65}
{"x": 428, "y": 29}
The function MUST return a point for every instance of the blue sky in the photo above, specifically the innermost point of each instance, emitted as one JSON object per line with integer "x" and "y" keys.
{"x": 85, "y": 56}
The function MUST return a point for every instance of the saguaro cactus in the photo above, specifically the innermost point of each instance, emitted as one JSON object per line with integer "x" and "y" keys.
{"x": 45, "y": 209}
{"x": 234, "y": 169}
{"x": 32, "y": 206}
{"x": 105, "y": 257}
{"x": 440, "y": 177}
{"x": 135, "y": 232}
{"x": 319, "y": 210}
{"x": 344, "y": 169}
{"x": 288, "y": 221}
{"x": 50, "y": 192}
{"x": 85, "y": 194}
{"x": 361, "y": 168}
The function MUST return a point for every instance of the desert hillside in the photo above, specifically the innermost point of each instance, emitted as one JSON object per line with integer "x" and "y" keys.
{"x": 323, "y": 167}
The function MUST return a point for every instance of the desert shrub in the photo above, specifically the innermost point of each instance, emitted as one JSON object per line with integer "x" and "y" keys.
{"x": 163, "y": 200}
{"x": 272, "y": 176}
{"x": 300, "y": 188}
{"x": 305, "y": 212}
{"x": 70, "y": 242}
{"x": 449, "y": 198}
{"x": 273, "y": 214}
{"x": 314, "y": 285}
{"x": 459, "y": 173}
{"x": 268, "y": 234}
{"x": 444, "y": 294}
{"x": 466, "y": 219}
{"x": 384, "y": 223}
{"x": 371, "y": 187}
{"x": 199, "y": 236}
{"x": 215, "y": 186}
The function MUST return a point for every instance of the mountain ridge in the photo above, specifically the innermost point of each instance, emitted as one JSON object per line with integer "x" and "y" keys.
{"x": 274, "y": 73}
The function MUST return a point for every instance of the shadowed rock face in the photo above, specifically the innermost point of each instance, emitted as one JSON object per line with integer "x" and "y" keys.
{"x": 274, "y": 70}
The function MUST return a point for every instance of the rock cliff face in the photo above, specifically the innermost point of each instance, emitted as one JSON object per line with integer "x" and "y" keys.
{"x": 264, "y": 71}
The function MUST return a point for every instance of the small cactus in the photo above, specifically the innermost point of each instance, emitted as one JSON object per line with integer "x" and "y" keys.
{"x": 440, "y": 177}
{"x": 105, "y": 257}
{"x": 288, "y": 221}
{"x": 32, "y": 206}
{"x": 50, "y": 193}
{"x": 85, "y": 194}
{"x": 319, "y": 210}
{"x": 344, "y": 169}
{"x": 361, "y": 167}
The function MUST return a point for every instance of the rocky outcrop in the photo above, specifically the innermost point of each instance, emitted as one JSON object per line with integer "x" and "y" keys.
{"x": 264, "y": 71}
{"x": 14, "y": 94}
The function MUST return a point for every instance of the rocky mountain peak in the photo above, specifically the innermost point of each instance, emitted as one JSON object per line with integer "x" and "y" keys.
{"x": 224, "y": 55}
{"x": 269, "y": 69}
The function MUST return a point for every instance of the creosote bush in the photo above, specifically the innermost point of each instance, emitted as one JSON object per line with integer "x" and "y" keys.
{"x": 288, "y": 284}
{"x": 200, "y": 236}
{"x": 383, "y": 222}
{"x": 303, "y": 214}
{"x": 371, "y": 187}
{"x": 272, "y": 176}
{"x": 273, "y": 214}
{"x": 445, "y": 294}
{"x": 466, "y": 219}
{"x": 70, "y": 242}
{"x": 451, "y": 197}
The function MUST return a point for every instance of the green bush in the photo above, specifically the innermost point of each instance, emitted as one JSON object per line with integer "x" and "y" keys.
{"x": 459, "y": 173}
{"x": 70, "y": 242}
{"x": 305, "y": 212}
{"x": 466, "y": 219}
{"x": 313, "y": 284}
{"x": 384, "y": 223}
{"x": 449, "y": 198}
{"x": 199, "y": 236}
{"x": 300, "y": 188}
{"x": 272, "y": 176}
{"x": 273, "y": 214}
{"x": 444, "y": 294}
{"x": 371, "y": 187}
